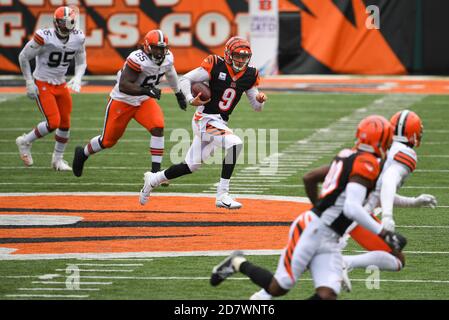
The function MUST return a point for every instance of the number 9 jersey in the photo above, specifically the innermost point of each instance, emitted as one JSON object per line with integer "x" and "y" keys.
{"x": 226, "y": 86}
{"x": 55, "y": 56}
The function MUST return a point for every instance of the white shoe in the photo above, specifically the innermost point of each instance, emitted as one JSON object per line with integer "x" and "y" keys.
{"x": 24, "y": 150}
{"x": 224, "y": 200}
{"x": 346, "y": 282}
{"x": 148, "y": 186}
{"x": 59, "y": 164}
{"x": 261, "y": 295}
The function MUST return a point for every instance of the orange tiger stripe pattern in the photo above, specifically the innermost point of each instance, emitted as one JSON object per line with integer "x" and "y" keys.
{"x": 290, "y": 248}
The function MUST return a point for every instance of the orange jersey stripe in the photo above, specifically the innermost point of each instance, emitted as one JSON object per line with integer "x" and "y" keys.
{"x": 406, "y": 160}
{"x": 38, "y": 39}
{"x": 133, "y": 65}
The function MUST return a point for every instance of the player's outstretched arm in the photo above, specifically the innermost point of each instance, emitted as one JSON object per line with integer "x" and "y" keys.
{"x": 256, "y": 98}
{"x": 80, "y": 69}
{"x": 29, "y": 52}
{"x": 311, "y": 180}
{"x": 128, "y": 85}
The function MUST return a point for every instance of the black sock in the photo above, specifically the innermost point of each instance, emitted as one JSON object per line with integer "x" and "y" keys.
{"x": 230, "y": 160}
{"x": 177, "y": 170}
{"x": 258, "y": 275}
{"x": 155, "y": 167}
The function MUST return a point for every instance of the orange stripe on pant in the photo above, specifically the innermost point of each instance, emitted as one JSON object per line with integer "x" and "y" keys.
{"x": 149, "y": 115}
{"x": 55, "y": 102}
{"x": 369, "y": 240}
{"x": 293, "y": 241}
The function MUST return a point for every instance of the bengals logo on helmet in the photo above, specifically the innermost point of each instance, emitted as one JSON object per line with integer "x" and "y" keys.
{"x": 408, "y": 127}
{"x": 237, "y": 53}
{"x": 375, "y": 135}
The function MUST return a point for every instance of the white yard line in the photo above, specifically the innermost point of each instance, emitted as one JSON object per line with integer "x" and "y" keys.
{"x": 108, "y": 264}
{"x": 100, "y": 270}
{"x": 74, "y": 283}
{"x": 69, "y": 296}
{"x": 58, "y": 289}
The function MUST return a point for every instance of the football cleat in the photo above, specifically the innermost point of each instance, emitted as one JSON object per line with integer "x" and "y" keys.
{"x": 224, "y": 269}
{"x": 261, "y": 295}
{"x": 345, "y": 281}
{"x": 224, "y": 200}
{"x": 148, "y": 186}
{"x": 24, "y": 150}
{"x": 78, "y": 161}
{"x": 59, "y": 164}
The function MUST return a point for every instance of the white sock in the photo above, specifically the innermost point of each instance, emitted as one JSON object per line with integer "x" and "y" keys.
{"x": 237, "y": 261}
{"x": 61, "y": 137}
{"x": 93, "y": 146}
{"x": 159, "y": 178}
{"x": 40, "y": 131}
{"x": 223, "y": 186}
{"x": 381, "y": 259}
{"x": 156, "y": 149}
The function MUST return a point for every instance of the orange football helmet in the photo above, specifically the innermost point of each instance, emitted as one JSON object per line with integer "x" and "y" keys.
{"x": 408, "y": 127}
{"x": 64, "y": 20}
{"x": 155, "y": 45}
{"x": 237, "y": 53}
{"x": 375, "y": 135}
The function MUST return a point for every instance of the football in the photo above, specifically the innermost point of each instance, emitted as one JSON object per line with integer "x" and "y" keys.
{"x": 198, "y": 87}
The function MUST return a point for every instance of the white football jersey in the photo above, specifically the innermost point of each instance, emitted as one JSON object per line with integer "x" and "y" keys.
{"x": 402, "y": 154}
{"x": 149, "y": 75}
{"x": 54, "y": 56}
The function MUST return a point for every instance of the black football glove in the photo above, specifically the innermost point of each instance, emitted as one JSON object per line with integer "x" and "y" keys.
{"x": 153, "y": 92}
{"x": 394, "y": 240}
{"x": 181, "y": 100}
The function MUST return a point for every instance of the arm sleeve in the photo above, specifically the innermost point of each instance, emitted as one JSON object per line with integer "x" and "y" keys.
{"x": 29, "y": 52}
{"x": 355, "y": 195}
{"x": 80, "y": 63}
{"x": 197, "y": 75}
{"x": 172, "y": 78}
{"x": 251, "y": 94}
{"x": 391, "y": 180}
{"x": 403, "y": 201}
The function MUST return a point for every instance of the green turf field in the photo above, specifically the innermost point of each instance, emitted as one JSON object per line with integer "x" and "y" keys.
{"x": 297, "y": 117}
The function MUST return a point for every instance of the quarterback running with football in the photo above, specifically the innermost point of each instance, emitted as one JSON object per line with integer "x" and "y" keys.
{"x": 228, "y": 77}
{"x": 314, "y": 237}
{"x": 53, "y": 50}
{"x": 134, "y": 97}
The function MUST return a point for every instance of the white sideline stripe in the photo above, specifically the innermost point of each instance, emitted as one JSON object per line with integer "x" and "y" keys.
{"x": 74, "y": 283}
{"x": 247, "y": 279}
{"x": 45, "y": 296}
{"x": 100, "y": 270}
{"x": 108, "y": 264}
{"x": 212, "y": 188}
{"x": 57, "y": 289}
{"x": 169, "y": 254}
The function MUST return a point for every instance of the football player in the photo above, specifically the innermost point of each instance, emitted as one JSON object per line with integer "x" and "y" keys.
{"x": 228, "y": 77}
{"x": 134, "y": 97}
{"x": 53, "y": 50}
{"x": 314, "y": 237}
{"x": 400, "y": 163}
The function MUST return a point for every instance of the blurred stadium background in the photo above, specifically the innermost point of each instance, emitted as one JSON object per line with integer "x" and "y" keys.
{"x": 325, "y": 64}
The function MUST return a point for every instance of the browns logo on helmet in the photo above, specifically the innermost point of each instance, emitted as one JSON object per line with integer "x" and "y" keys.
{"x": 375, "y": 135}
{"x": 155, "y": 45}
{"x": 237, "y": 53}
{"x": 64, "y": 20}
{"x": 408, "y": 128}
